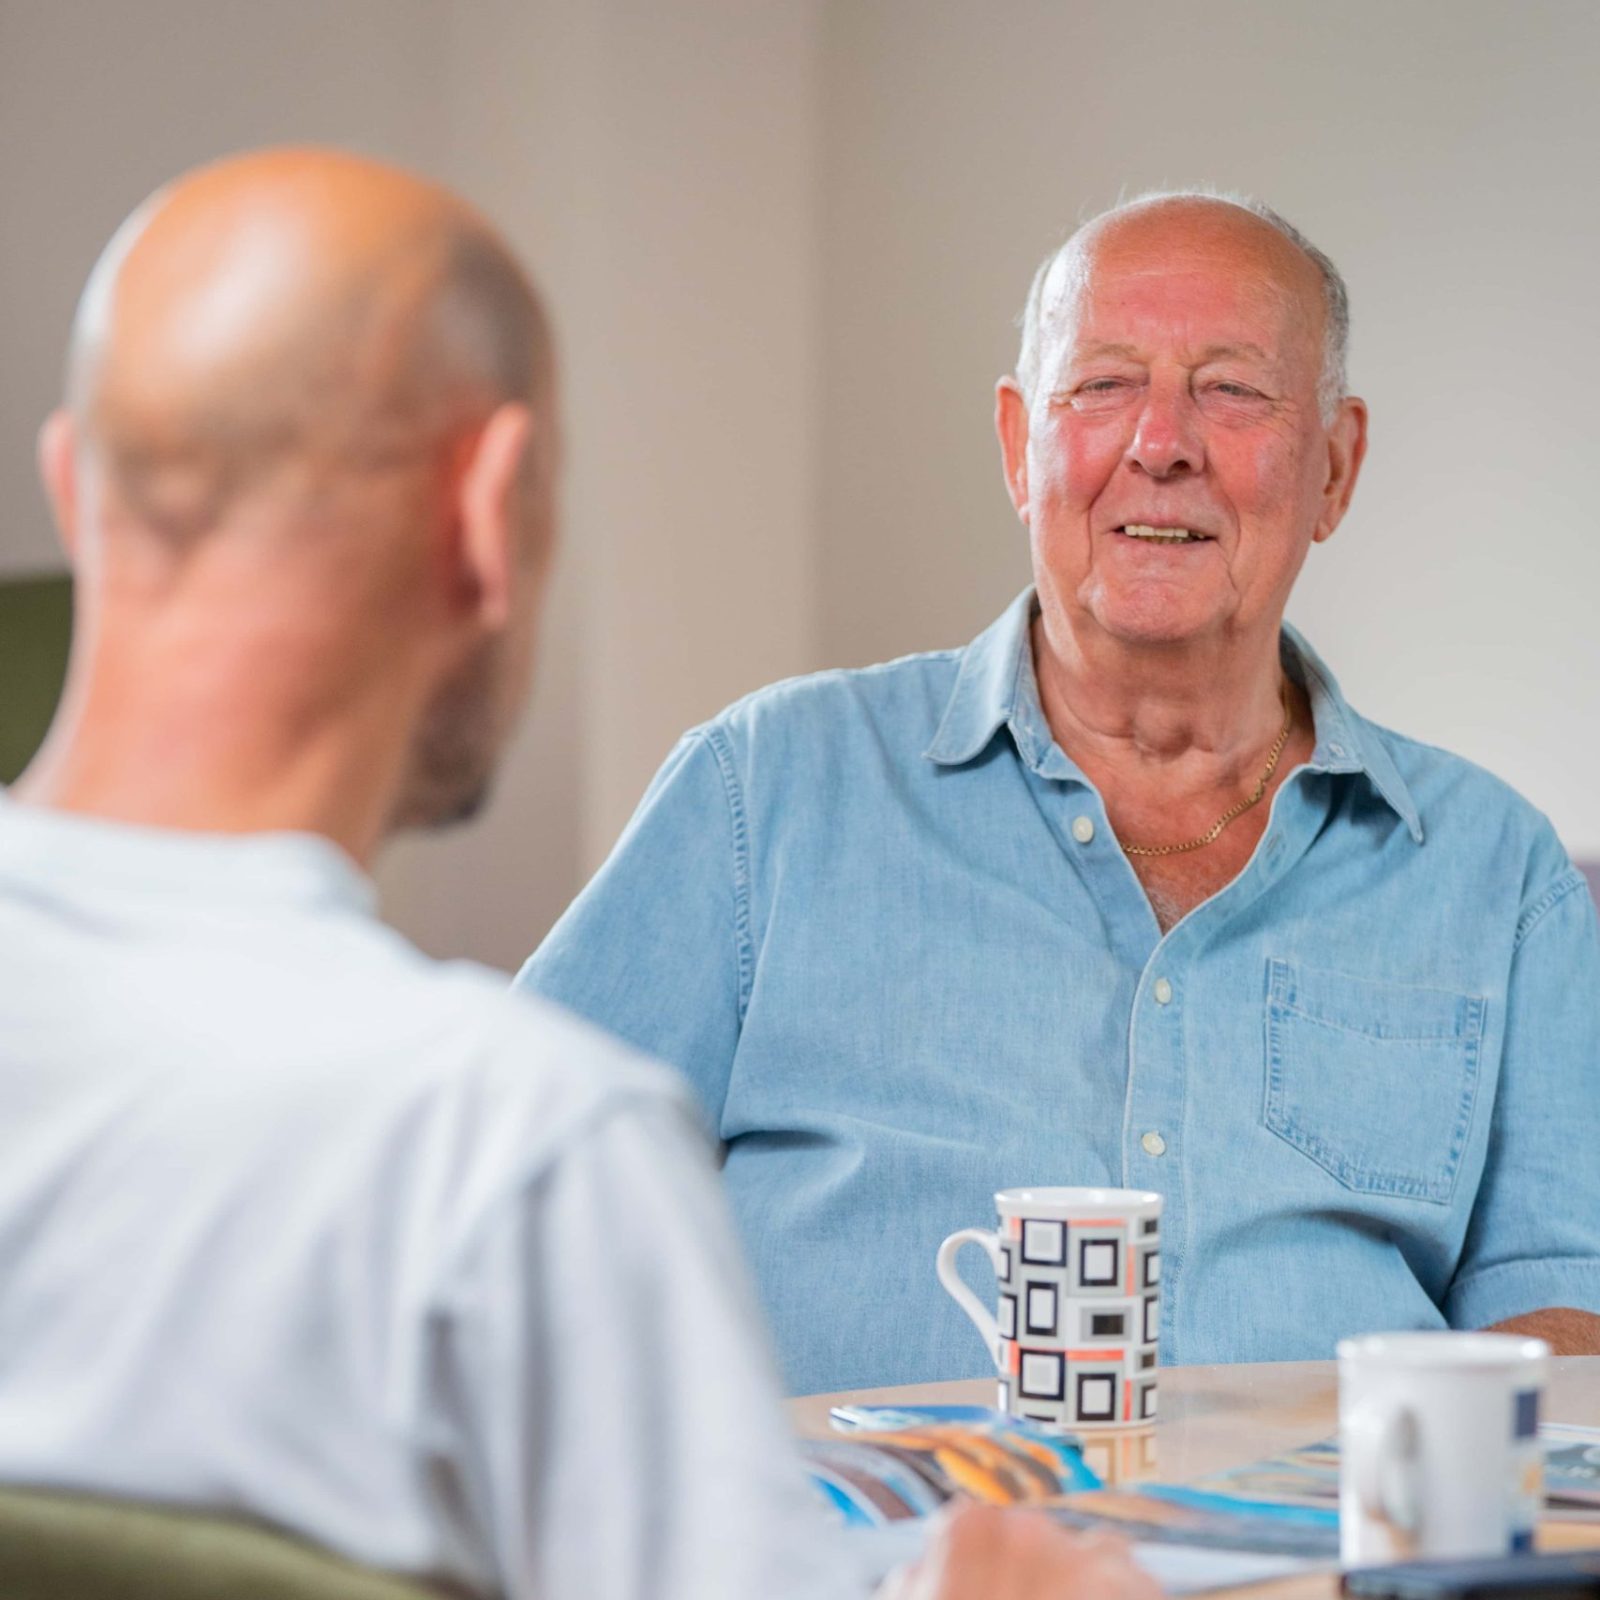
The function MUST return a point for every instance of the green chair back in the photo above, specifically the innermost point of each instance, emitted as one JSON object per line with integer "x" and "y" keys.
{"x": 35, "y": 626}
{"x": 71, "y": 1547}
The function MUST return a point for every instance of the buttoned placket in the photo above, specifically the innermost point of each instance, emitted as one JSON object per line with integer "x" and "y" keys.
{"x": 1153, "y": 1152}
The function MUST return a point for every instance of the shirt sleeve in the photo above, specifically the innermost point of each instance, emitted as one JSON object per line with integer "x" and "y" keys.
{"x": 1534, "y": 1236}
{"x": 618, "y": 1405}
{"x": 656, "y": 948}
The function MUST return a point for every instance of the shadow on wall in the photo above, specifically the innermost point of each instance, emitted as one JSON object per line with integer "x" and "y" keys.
{"x": 1591, "y": 870}
{"x": 35, "y": 629}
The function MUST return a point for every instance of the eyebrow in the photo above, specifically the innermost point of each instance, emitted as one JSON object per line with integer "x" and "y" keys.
{"x": 1106, "y": 350}
{"x": 1210, "y": 353}
{"x": 1213, "y": 352}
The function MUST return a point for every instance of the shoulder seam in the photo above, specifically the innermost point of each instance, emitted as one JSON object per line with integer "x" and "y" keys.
{"x": 744, "y": 955}
{"x": 1558, "y": 891}
{"x": 826, "y": 675}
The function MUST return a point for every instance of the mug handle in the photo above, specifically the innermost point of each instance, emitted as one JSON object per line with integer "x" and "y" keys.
{"x": 1382, "y": 1444}
{"x": 945, "y": 1265}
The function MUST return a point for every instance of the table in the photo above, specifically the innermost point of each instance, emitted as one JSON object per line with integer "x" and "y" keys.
{"x": 1213, "y": 1418}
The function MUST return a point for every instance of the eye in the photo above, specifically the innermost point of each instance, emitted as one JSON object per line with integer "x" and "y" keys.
{"x": 1098, "y": 394}
{"x": 1236, "y": 391}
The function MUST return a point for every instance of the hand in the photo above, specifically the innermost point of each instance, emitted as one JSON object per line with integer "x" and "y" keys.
{"x": 980, "y": 1552}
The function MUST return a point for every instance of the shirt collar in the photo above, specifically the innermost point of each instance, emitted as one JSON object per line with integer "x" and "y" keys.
{"x": 996, "y": 687}
{"x": 1346, "y": 741}
{"x": 44, "y": 847}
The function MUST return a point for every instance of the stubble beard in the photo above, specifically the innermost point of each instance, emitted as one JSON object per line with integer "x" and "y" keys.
{"x": 451, "y": 771}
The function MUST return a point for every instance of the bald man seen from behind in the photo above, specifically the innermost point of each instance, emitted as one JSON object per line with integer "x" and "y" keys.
{"x": 293, "y": 1221}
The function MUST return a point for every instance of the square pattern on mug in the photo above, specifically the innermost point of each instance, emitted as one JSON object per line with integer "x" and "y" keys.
{"x": 1079, "y": 1315}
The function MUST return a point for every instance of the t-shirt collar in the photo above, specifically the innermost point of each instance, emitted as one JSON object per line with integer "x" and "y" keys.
{"x": 43, "y": 847}
{"x": 996, "y": 688}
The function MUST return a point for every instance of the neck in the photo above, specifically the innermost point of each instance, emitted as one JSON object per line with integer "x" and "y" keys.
{"x": 1191, "y": 719}
{"x": 164, "y": 730}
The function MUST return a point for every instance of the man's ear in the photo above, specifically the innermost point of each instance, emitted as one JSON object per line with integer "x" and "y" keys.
{"x": 490, "y": 502}
{"x": 1347, "y": 449}
{"x": 1011, "y": 424}
{"x": 57, "y": 452}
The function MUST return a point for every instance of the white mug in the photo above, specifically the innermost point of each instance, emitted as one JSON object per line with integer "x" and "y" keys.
{"x": 1439, "y": 1445}
{"x": 1080, "y": 1303}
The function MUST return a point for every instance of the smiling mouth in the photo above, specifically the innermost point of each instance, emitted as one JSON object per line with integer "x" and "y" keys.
{"x": 1149, "y": 534}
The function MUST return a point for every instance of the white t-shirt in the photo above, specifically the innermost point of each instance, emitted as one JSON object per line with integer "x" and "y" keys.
{"x": 298, "y": 1223}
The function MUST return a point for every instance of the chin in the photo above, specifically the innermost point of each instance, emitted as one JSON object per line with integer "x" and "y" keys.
{"x": 462, "y": 808}
{"x": 1156, "y": 617}
{"x": 1156, "y": 630}
{"x": 455, "y": 748}
{"x": 440, "y": 797}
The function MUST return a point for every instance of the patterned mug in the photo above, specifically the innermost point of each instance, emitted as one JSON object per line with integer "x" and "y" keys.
{"x": 1080, "y": 1303}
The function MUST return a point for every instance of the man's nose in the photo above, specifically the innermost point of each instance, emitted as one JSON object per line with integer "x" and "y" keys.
{"x": 1166, "y": 439}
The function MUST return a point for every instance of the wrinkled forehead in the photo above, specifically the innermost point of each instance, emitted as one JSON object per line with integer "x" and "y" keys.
{"x": 1170, "y": 287}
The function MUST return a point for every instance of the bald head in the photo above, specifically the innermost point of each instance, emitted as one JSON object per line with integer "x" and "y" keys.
{"x": 1169, "y": 225}
{"x": 307, "y": 470}
{"x": 281, "y": 320}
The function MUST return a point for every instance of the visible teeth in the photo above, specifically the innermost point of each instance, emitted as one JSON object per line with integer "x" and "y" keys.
{"x": 1143, "y": 530}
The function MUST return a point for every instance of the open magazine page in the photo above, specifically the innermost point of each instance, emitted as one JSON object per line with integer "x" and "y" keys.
{"x": 1571, "y": 1472}
{"x": 890, "y": 1467}
{"x": 890, "y": 1464}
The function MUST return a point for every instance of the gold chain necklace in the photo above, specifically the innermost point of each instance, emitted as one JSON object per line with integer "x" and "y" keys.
{"x": 1214, "y": 832}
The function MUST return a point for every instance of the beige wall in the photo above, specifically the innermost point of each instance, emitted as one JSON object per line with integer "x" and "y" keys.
{"x": 785, "y": 241}
{"x": 100, "y": 101}
{"x": 657, "y": 165}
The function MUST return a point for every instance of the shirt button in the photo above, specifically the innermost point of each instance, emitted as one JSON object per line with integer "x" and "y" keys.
{"x": 1336, "y": 750}
{"x": 1163, "y": 992}
{"x": 1154, "y": 1144}
{"x": 1083, "y": 829}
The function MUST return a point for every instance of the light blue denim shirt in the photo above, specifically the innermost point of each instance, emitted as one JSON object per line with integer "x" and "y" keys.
{"x": 881, "y": 922}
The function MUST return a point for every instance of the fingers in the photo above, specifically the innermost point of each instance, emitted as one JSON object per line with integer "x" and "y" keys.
{"x": 992, "y": 1553}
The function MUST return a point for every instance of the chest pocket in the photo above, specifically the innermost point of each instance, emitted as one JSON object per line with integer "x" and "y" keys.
{"x": 1373, "y": 1081}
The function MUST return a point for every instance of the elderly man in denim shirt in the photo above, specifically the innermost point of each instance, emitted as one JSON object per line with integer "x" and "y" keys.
{"x": 1125, "y": 892}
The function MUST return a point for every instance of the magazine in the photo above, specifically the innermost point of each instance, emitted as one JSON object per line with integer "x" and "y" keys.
{"x": 1571, "y": 1472}
{"x": 891, "y": 1466}
{"x": 1172, "y": 1514}
{"x": 1310, "y": 1476}
{"x": 892, "y": 1463}
{"x": 1290, "y": 1503}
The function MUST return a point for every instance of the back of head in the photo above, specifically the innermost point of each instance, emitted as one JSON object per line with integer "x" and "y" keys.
{"x": 288, "y": 319}
{"x": 306, "y": 466}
